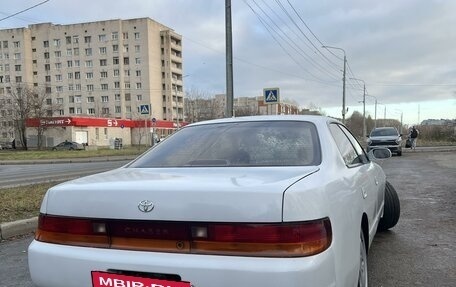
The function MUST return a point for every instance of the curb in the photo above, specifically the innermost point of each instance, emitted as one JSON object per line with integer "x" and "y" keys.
{"x": 17, "y": 228}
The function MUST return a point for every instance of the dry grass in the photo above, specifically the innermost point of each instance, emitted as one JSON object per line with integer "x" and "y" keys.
{"x": 22, "y": 202}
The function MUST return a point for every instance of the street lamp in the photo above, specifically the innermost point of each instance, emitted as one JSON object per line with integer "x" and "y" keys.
{"x": 364, "y": 106}
{"x": 402, "y": 114}
{"x": 343, "y": 80}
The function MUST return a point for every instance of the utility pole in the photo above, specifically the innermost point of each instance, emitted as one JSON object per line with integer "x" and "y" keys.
{"x": 343, "y": 80}
{"x": 229, "y": 60}
{"x": 364, "y": 106}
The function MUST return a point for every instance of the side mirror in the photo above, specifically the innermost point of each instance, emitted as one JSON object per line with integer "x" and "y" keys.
{"x": 379, "y": 153}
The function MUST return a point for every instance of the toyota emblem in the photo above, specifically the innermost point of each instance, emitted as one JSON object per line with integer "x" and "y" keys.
{"x": 146, "y": 205}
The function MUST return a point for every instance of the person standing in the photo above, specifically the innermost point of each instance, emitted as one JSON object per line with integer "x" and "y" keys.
{"x": 413, "y": 136}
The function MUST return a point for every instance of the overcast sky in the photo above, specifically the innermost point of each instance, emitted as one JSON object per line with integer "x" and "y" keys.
{"x": 404, "y": 50}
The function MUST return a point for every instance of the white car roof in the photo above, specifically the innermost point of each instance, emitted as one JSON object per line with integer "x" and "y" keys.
{"x": 307, "y": 118}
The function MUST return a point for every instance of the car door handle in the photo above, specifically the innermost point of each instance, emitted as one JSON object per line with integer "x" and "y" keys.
{"x": 364, "y": 192}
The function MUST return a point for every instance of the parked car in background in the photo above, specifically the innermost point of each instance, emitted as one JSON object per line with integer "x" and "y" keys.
{"x": 253, "y": 201}
{"x": 387, "y": 137}
{"x": 68, "y": 145}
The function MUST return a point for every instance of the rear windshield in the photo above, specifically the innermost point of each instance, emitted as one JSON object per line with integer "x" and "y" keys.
{"x": 384, "y": 132}
{"x": 277, "y": 143}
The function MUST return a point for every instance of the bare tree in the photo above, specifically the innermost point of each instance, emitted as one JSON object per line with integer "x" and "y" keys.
{"x": 200, "y": 106}
{"x": 27, "y": 102}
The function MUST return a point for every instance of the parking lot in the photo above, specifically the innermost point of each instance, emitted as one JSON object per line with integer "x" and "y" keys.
{"x": 419, "y": 251}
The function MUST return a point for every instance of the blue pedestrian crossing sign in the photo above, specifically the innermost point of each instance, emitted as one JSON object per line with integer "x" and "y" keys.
{"x": 144, "y": 109}
{"x": 271, "y": 95}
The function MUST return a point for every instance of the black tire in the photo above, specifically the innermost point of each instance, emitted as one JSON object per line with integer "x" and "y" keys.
{"x": 392, "y": 209}
{"x": 362, "y": 273}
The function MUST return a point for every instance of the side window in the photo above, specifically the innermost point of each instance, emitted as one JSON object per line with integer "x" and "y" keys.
{"x": 345, "y": 147}
{"x": 356, "y": 145}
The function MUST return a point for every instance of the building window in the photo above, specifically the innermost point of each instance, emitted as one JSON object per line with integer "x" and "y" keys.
{"x": 115, "y": 35}
{"x": 47, "y": 79}
{"x": 90, "y": 88}
{"x": 138, "y": 86}
{"x": 127, "y": 73}
{"x": 76, "y": 51}
{"x": 105, "y": 111}
{"x": 104, "y": 87}
{"x": 58, "y": 65}
{"x": 17, "y": 44}
{"x": 115, "y": 48}
{"x": 45, "y": 44}
{"x": 138, "y": 73}
{"x": 102, "y": 38}
{"x": 48, "y": 90}
{"x": 103, "y": 62}
{"x": 70, "y": 75}
{"x": 139, "y": 97}
{"x": 118, "y": 109}
{"x": 69, "y": 64}
{"x": 6, "y": 56}
{"x": 138, "y": 61}
{"x": 89, "y": 63}
{"x": 77, "y": 99}
{"x": 59, "y": 88}
{"x": 115, "y": 60}
{"x": 137, "y": 48}
{"x": 77, "y": 75}
{"x": 17, "y": 68}
{"x": 75, "y": 39}
{"x": 88, "y": 51}
{"x": 116, "y": 73}
{"x": 78, "y": 87}
{"x": 78, "y": 111}
{"x": 91, "y": 111}
{"x": 117, "y": 97}
{"x": 18, "y": 79}
{"x": 7, "y": 67}
{"x": 125, "y": 48}
{"x": 104, "y": 74}
{"x": 17, "y": 56}
{"x": 59, "y": 100}
{"x": 136, "y": 35}
{"x": 128, "y": 109}
{"x": 102, "y": 50}
{"x": 106, "y": 133}
{"x": 68, "y": 40}
{"x": 57, "y": 42}
{"x": 127, "y": 85}
{"x": 91, "y": 99}
{"x": 58, "y": 78}
{"x": 70, "y": 87}
{"x": 87, "y": 39}
{"x": 125, "y": 35}
{"x": 117, "y": 85}
{"x": 71, "y": 110}
{"x": 77, "y": 63}
{"x": 69, "y": 52}
{"x": 104, "y": 99}
{"x": 48, "y": 102}
{"x": 126, "y": 61}
{"x": 46, "y": 55}
{"x": 127, "y": 97}
{"x": 97, "y": 133}
{"x": 58, "y": 54}
{"x": 89, "y": 75}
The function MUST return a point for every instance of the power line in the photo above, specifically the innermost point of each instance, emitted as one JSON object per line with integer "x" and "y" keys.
{"x": 22, "y": 11}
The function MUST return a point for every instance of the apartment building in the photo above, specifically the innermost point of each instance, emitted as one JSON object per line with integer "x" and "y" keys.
{"x": 121, "y": 69}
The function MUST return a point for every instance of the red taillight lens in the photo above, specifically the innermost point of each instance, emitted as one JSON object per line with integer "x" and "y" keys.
{"x": 294, "y": 239}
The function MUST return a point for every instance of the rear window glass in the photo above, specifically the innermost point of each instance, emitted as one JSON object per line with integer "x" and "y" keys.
{"x": 276, "y": 143}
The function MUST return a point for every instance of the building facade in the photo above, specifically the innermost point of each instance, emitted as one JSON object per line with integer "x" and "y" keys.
{"x": 119, "y": 69}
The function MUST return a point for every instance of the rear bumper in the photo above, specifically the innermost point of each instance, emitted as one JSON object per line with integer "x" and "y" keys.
{"x": 54, "y": 265}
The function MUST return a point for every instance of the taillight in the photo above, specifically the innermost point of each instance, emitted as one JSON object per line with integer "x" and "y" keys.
{"x": 294, "y": 239}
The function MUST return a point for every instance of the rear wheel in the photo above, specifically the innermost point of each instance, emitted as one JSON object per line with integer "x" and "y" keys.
{"x": 362, "y": 274}
{"x": 392, "y": 209}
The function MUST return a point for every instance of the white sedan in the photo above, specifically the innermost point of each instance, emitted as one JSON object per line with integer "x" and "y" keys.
{"x": 254, "y": 201}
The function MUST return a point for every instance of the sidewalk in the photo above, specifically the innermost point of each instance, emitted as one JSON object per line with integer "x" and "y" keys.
{"x": 22, "y": 227}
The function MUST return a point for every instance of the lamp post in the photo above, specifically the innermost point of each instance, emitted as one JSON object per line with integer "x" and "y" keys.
{"x": 364, "y": 106}
{"x": 402, "y": 114}
{"x": 343, "y": 80}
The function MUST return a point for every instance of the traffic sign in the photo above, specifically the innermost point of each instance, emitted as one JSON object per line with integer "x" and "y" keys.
{"x": 144, "y": 109}
{"x": 271, "y": 95}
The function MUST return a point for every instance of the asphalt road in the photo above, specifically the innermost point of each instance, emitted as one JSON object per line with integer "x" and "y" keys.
{"x": 13, "y": 175}
{"x": 419, "y": 251}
